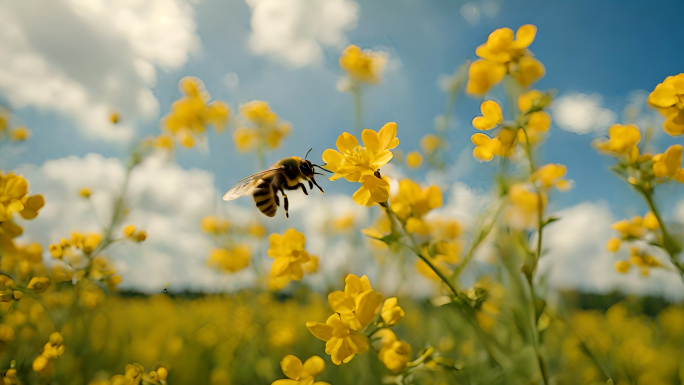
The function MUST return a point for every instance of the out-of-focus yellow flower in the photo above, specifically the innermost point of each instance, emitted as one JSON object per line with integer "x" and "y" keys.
{"x": 528, "y": 71}
{"x": 256, "y": 230}
{"x": 524, "y": 209}
{"x": 391, "y": 313}
{"x": 621, "y": 140}
{"x": 622, "y": 266}
{"x": 357, "y": 163}
{"x": 20, "y": 134}
{"x": 56, "y": 251}
{"x": 483, "y": 75}
{"x": 358, "y": 304}
{"x": 551, "y": 175}
{"x": 491, "y": 116}
{"x": 262, "y": 128}
{"x": 414, "y": 201}
{"x": 52, "y": 350}
{"x": 669, "y": 164}
{"x": 394, "y": 354}
{"x": 414, "y": 159}
{"x": 651, "y": 221}
{"x": 629, "y": 229}
{"x": 502, "y": 47}
{"x": 85, "y": 192}
{"x": 537, "y": 125}
{"x": 114, "y": 117}
{"x": 190, "y": 115}
{"x": 530, "y": 99}
{"x": 133, "y": 234}
{"x": 258, "y": 112}
{"x": 668, "y": 98}
{"x": 342, "y": 342}
{"x": 289, "y": 254}
{"x": 245, "y": 138}
{"x": 213, "y": 225}
{"x": 38, "y": 284}
{"x": 613, "y": 244}
{"x": 430, "y": 143}
{"x": 641, "y": 260}
{"x": 163, "y": 142}
{"x": 230, "y": 261}
{"x": 90, "y": 242}
{"x": 301, "y": 374}
{"x": 363, "y": 66}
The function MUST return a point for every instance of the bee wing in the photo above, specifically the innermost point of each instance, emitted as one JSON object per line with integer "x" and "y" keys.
{"x": 246, "y": 185}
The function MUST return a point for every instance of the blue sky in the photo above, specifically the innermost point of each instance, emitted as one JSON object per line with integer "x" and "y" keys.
{"x": 61, "y": 75}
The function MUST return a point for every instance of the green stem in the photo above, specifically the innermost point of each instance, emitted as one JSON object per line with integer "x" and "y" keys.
{"x": 668, "y": 243}
{"x": 356, "y": 95}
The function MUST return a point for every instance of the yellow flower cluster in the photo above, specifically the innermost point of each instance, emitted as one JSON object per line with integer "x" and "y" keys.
{"x": 52, "y": 350}
{"x": 301, "y": 374}
{"x": 134, "y": 374}
{"x": 134, "y": 234}
{"x": 639, "y": 258}
{"x": 392, "y": 352}
{"x": 230, "y": 260}
{"x": 622, "y": 141}
{"x": 357, "y": 163}
{"x": 291, "y": 260}
{"x": 355, "y": 308}
{"x": 502, "y": 54}
{"x": 190, "y": 115}
{"x": 669, "y": 164}
{"x": 668, "y": 98}
{"x": 362, "y": 66}
{"x": 261, "y": 128}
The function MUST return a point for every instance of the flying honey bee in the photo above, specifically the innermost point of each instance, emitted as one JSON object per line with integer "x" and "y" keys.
{"x": 287, "y": 174}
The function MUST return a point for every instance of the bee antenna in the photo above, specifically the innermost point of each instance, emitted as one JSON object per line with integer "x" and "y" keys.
{"x": 322, "y": 168}
{"x": 307, "y": 153}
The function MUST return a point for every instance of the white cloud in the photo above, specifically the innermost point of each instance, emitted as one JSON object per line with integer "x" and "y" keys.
{"x": 474, "y": 10}
{"x": 581, "y": 113}
{"x": 87, "y": 58}
{"x": 295, "y": 31}
{"x": 577, "y": 257}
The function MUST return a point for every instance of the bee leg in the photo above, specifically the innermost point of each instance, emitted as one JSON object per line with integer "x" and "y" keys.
{"x": 310, "y": 184}
{"x": 275, "y": 197}
{"x": 303, "y": 188}
{"x": 287, "y": 203}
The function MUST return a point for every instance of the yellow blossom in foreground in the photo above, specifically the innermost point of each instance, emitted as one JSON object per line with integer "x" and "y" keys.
{"x": 621, "y": 139}
{"x": 363, "y": 66}
{"x": 357, "y": 163}
{"x": 358, "y": 304}
{"x": 412, "y": 200}
{"x": 230, "y": 261}
{"x": 342, "y": 342}
{"x": 301, "y": 374}
{"x": 483, "y": 75}
{"x": 668, "y": 98}
{"x": 289, "y": 254}
{"x": 394, "y": 354}
{"x": 414, "y": 159}
{"x": 485, "y": 147}
{"x": 391, "y": 313}
{"x": 669, "y": 164}
{"x": 491, "y": 116}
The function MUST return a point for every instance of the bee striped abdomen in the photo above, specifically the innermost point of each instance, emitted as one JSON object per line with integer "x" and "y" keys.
{"x": 264, "y": 197}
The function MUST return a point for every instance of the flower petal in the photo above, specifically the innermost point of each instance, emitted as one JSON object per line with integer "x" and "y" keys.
{"x": 321, "y": 331}
{"x": 292, "y": 367}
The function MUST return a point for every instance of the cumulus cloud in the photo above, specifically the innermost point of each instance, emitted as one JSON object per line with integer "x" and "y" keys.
{"x": 295, "y": 31}
{"x": 85, "y": 59}
{"x": 581, "y": 113}
{"x": 577, "y": 257}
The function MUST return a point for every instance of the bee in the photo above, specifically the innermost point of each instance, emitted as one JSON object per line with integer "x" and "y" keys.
{"x": 287, "y": 174}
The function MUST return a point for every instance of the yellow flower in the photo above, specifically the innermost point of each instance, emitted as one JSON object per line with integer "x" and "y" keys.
{"x": 430, "y": 143}
{"x": 256, "y": 230}
{"x": 391, "y": 313}
{"x": 342, "y": 342}
{"x": 551, "y": 175}
{"x": 668, "y": 98}
{"x": 537, "y": 124}
{"x": 230, "y": 261}
{"x": 651, "y": 221}
{"x": 301, "y": 374}
{"x": 56, "y": 251}
{"x": 621, "y": 139}
{"x": 114, "y": 117}
{"x": 630, "y": 229}
{"x": 289, "y": 254}
{"x": 669, "y": 164}
{"x": 485, "y": 147}
{"x": 644, "y": 262}
{"x": 20, "y": 134}
{"x": 394, "y": 354}
{"x": 414, "y": 159}
{"x": 501, "y": 47}
{"x": 613, "y": 244}
{"x": 524, "y": 208}
{"x": 163, "y": 142}
{"x": 213, "y": 225}
{"x": 38, "y": 284}
{"x": 528, "y": 71}
{"x": 245, "y": 139}
{"x": 85, "y": 192}
{"x": 13, "y": 188}
{"x": 357, "y": 304}
{"x": 90, "y": 242}
{"x": 412, "y": 200}
{"x": 530, "y": 99}
{"x": 258, "y": 112}
{"x": 357, "y": 163}
{"x": 491, "y": 116}
{"x": 483, "y": 75}
{"x": 622, "y": 266}
{"x": 363, "y": 66}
